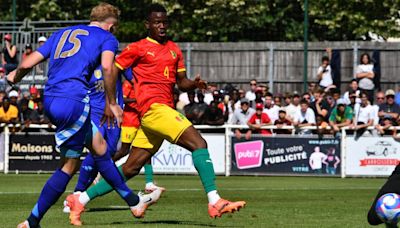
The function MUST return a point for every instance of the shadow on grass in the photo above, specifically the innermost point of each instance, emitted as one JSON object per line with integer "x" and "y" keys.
{"x": 172, "y": 222}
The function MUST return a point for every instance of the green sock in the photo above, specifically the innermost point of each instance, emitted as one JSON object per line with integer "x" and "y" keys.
{"x": 102, "y": 187}
{"x": 148, "y": 173}
{"x": 204, "y": 166}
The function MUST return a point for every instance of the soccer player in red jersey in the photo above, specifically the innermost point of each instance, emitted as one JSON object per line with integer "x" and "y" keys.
{"x": 158, "y": 65}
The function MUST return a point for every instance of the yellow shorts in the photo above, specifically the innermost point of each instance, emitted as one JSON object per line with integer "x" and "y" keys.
{"x": 158, "y": 123}
{"x": 128, "y": 134}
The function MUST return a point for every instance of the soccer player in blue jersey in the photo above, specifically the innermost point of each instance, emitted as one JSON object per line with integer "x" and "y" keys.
{"x": 74, "y": 53}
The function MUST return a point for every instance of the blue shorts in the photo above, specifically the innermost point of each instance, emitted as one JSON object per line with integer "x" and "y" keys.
{"x": 72, "y": 120}
{"x": 110, "y": 135}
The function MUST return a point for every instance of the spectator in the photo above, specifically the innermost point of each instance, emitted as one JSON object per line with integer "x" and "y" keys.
{"x": 354, "y": 101}
{"x": 312, "y": 86}
{"x": 321, "y": 124}
{"x": 234, "y": 103}
{"x": 294, "y": 107}
{"x": 353, "y": 88}
{"x": 330, "y": 100}
{"x": 259, "y": 98}
{"x": 35, "y": 97}
{"x": 251, "y": 94}
{"x": 2, "y": 96}
{"x": 264, "y": 89}
{"x": 278, "y": 101}
{"x": 28, "y": 51}
{"x": 324, "y": 73}
{"x": 213, "y": 115}
{"x": 388, "y": 112}
{"x": 341, "y": 116}
{"x": 42, "y": 40}
{"x": 8, "y": 112}
{"x": 363, "y": 116}
{"x": 208, "y": 96}
{"x": 13, "y": 96}
{"x": 365, "y": 74}
{"x": 271, "y": 109}
{"x": 3, "y": 82}
{"x": 320, "y": 106}
{"x": 304, "y": 117}
{"x": 26, "y": 115}
{"x": 9, "y": 59}
{"x": 287, "y": 99}
{"x": 43, "y": 119}
{"x": 307, "y": 96}
{"x": 242, "y": 94}
{"x": 190, "y": 109}
{"x": 379, "y": 100}
{"x": 258, "y": 120}
{"x": 335, "y": 94}
{"x": 282, "y": 121}
{"x": 241, "y": 116}
{"x": 397, "y": 96}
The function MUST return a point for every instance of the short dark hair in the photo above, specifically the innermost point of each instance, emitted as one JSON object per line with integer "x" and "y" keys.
{"x": 304, "y": 101}
{"x": 325, "y": 58}
{"x": 269, "y": 95}
{"x": 353, "y": 80}
{"x": 155, "y": 8}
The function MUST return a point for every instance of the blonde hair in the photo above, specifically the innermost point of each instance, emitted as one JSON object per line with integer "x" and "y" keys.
{"x": 103, "y": 11}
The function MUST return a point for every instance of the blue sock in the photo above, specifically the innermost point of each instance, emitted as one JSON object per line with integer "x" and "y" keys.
{"x": 52, "y": 190}
{"x": 87, "y": 174}
{"x": 110, "y": 173}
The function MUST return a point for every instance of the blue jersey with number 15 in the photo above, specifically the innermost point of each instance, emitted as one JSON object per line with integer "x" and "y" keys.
{"x": 74, "y": 53}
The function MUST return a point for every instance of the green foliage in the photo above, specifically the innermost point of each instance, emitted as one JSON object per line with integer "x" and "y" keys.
{"x": 234, "y": 20}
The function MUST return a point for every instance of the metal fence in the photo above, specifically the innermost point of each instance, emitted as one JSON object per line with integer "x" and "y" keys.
{"x": 278, "y": 64}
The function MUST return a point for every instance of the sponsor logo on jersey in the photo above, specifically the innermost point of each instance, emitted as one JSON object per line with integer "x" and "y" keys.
{"x": 173, "y": 54}
{"x": 97, "y": 74}
{"x": 151, "y": 53}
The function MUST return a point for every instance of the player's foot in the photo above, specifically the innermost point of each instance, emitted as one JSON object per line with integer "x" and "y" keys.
{"x": 145, "y": 200}
{"x": 76, "y": 209}
{"x": 223, "y": 206}
{"x": 25, "y": 224}
{"x": 152, "y": 187}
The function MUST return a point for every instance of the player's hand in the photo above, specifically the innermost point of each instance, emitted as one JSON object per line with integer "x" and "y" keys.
{"x": 117, "y": 111}
{"x": 108, "y": 117}
{"x": 200, "y": 84}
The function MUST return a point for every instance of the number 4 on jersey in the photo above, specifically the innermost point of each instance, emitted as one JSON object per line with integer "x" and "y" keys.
{"x": 166, "y": 72}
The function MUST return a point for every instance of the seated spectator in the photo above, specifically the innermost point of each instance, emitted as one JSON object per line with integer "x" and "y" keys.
{"x": 28, "y": 51}
{"x": 293, "y": 108}
{"x": 3, "y": 82}
{"x": 278, "y": 100}
{"x": 363, "y": 117}
{"x": 320, "y": 106}
{"x": 341, "y": 116}
{"x": 312, "y": 86}
{"x": 271, "y": 109}
{"x": 13, "y": 96}
{"x": 330, "y": 100}
{"x": 242, "y": 94}
{"x": 353, "y": 88}
{"x": 365, "y": 74}
{"x": 213, "y": 115}
{"x": 304, "y": 117}
{"x": 282, "y": 121}
{"x": 8, "y": 112}
{"x": 324, "y": 73}
{"x": 208, "y": 96}
{"x": 287, "y": 100}
{"x": 380, "y": 99}
{"x": 258, "y": 120}
{"x": 258, "y": 100}
{"x": 388, "y": 112}
{"x": 307, "y": 96}
{"x": 9, "y": 60}
{"x": 264, "y": 89}
{"x": 251, "y": 94}
{"x": 335, "y": 94}
{"x": 241, "y": 116}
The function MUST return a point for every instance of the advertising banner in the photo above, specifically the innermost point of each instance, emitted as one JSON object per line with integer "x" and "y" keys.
{"x": 286, "y": 155}
{"x": 371, "y": 156}
{"x": 175, "y": 159}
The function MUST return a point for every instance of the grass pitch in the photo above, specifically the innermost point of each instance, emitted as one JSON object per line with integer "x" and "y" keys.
{"x": 271, "y": 202}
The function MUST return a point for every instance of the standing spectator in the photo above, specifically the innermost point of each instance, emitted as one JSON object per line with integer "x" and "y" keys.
{"x": 3, "y": 82}
{"x": 278, "y": 100}
{"x": 324, "y": 73}
{"x": 287, "y": 100}
{"x": 190, "y": 109}
{"x": 322, "y": 125}
{"x": 388, "y": 112}
{"x": 365, "y": 74}
{"x": 264, "y": 89}
{"x": 353, "y": 88}
{"x": 258, "y": 120}
{"x": 43, "y": 119}
{"x": 363, "y": 116}
{"x": 213, "y": 115}
{"x": 234, "y": 103}
{"x": 241, "y": 116}
{"x": 312, "y": 86}
{"x": 42, "y": 40}
{"x": 179, "y": 105}
{"x": 9, "y": 59}
{"x": 28, "y": 51}
{"x": 27, "y": 115}
{"x": 379, "y": 100}
{"x": 251, "y": 94}
{"x": 8, "y": 112}
{"x": 341, "y": 116}
{"x": 294, "y": 107}
{"x": 271, "y": 110}
{"x": 35, "y": 97}
{"x": 331, "y": 161}
{"x": 317, "y": 158}
{"x": 304, "y": 117}
{"x": 259, "y": 98}
{"x": 208, "y": 96}
{"x": 330, "y": 100}
{"x": 282, "y": 121}
{"x": 13, "y": 96}
{"x": 242, "y": 94}
{"x": 320, "y": 106}
{"x": 307, "y": 96}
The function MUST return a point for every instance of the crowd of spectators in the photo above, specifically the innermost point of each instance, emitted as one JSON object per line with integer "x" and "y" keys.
{"x": 323, "y": 107}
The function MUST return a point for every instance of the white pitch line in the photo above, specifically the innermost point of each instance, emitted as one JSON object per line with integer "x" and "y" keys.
{"x": 233, "y": 189}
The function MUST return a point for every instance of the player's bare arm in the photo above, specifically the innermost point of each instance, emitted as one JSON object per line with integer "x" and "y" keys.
{"x": 185, "y": 84}
{"x": 110, "y": 72}
{"x": 25, "y": 67}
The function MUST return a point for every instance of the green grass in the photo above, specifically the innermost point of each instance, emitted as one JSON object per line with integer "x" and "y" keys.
{"x": 271, "y": 202}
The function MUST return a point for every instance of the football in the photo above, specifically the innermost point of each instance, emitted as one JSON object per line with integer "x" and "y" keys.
{"x": 388, "y": 208}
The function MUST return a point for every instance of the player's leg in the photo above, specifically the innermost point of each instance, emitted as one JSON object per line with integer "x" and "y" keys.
{"x": 167, "y": 123}
{"x": 392, "y": 185}
{"x": 70, "y": 117}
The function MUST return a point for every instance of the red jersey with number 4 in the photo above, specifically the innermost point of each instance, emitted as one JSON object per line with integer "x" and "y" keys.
{"x": 155, "y": 66}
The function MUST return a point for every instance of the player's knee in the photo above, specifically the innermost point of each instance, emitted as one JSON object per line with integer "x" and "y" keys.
{"x": 99, "y": 146}
{"x": 131, "y": 170}
{"x": 70, "y": 166}
{"x": 200, "y": 143}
